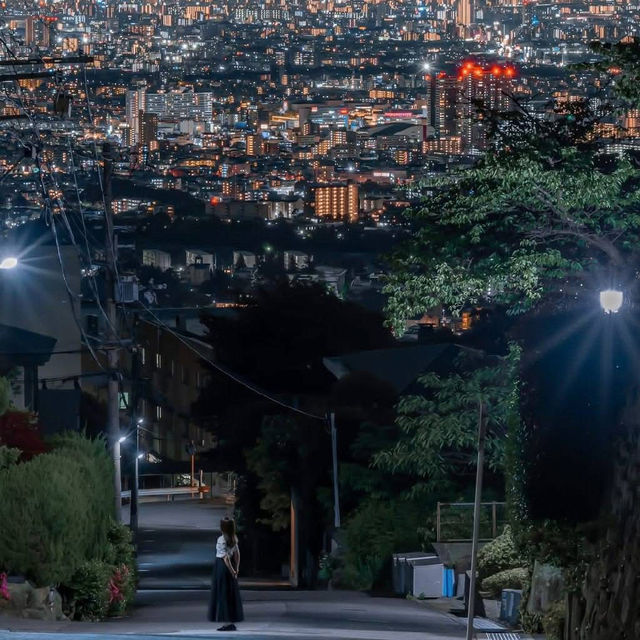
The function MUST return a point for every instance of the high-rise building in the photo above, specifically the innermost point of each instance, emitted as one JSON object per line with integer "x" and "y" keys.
{"x": 29, "y": 31}
{"x": 443, "y": 105}
{"x": 337, "y": 201}
{"x": 464, "y": 17}
{"x": 148, "y": 129}
{"x": 482, "y": 88}
{"x": 135, "y": 102}
{"x": 255, "y": 145}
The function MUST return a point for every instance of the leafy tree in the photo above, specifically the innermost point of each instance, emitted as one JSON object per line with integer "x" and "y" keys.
{"x": 539, "y": 228}
{"x": 440, "y": 427}
{"x": 21, "y": 430}
{"x": 278, "y": 342}
{"x": 514, "y": 230}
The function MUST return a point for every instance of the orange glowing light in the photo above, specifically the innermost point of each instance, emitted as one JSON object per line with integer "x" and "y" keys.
{"x": 496, "y": 70}
{"x": 477, "y": 72}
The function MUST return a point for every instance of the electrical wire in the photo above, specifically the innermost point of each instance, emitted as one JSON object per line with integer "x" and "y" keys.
{"x": 85, "y": 236}
{"x": 230, "y": 374}
{"x": 49, "y": 215}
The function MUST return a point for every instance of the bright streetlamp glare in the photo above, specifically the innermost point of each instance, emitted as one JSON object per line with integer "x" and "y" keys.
{"x": 121, "y": 439}
{"x": 9, "y": 263}
{"x": 426, "y": 66}
{"x": 611, "y": 300}
{"x": 140, "y": 456}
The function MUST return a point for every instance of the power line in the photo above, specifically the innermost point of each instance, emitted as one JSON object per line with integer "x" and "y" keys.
{"x": 230, "y": 374}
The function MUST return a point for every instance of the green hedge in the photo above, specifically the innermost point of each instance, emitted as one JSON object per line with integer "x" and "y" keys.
{"x": 56, "y": 511}
{"x": 499, "y": 555}
{"x": 507, "y": 579}
{"x": 376, "y": 531}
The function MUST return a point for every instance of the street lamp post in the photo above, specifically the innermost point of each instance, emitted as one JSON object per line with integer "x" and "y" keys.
{"x": 471, "y": 600}
{"x": 133, "y": 508}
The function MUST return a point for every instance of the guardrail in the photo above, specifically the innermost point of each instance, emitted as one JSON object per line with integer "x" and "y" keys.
{"x": 218, "y": 485}
{"x": 170, "y": 492}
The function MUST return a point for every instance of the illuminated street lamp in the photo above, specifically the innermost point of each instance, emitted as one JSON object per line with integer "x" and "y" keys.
{"x": 611, "y": 300}
{"x": 9, "y": 263}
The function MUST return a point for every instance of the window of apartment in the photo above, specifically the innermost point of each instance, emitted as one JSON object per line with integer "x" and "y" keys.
{"x": 172, "y": 367}
{"x": 158, "y": 412}
{"x": 158, "y": 361}
{"x": 143, "y": 356}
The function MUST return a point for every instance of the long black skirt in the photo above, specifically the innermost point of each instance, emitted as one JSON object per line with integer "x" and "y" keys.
{"x": 225, "y": 604}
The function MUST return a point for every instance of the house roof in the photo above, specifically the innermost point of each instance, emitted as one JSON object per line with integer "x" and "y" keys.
{"x": 399, "y": 366}
{"x": 19, "y": 346}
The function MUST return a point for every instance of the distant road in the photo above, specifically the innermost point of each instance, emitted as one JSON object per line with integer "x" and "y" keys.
{"x": 176, "y": 543}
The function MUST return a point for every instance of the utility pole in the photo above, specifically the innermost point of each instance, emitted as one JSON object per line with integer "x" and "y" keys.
{"x": 334, "y": 456}
{"x": 135, "y": 424}
{"x": 471, "y": 601}
{"x": 113, "y": 391}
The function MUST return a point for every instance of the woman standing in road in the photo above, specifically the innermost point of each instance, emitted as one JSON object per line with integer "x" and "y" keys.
{"x": 225, "y": 604}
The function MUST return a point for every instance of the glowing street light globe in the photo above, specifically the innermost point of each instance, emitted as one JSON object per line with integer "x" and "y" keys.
{"x": 611, "y": 300}
{"x": 8, "y": 263}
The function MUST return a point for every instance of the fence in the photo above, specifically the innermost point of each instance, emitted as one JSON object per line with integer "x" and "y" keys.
{"x": 454, "y": 521}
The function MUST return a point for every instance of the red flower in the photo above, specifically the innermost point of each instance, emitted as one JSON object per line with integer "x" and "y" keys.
{"x": 4, "y": 587}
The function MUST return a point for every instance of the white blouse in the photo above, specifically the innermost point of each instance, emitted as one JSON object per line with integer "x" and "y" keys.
{"x": 222, "y": 549}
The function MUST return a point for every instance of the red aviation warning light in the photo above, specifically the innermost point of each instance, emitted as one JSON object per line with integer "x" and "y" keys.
{"x": 478, "y": 71}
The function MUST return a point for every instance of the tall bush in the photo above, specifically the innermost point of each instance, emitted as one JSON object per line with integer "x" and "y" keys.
{"x": 56, "y": 511}
{"x": 376, "y": 531}
{"x": 499, "y": 555}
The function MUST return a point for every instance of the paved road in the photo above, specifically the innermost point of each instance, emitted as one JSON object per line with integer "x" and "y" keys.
{"x": 176, "y": 542}
{"x": 270, "y": 615}
{"x": 175, "y": 555}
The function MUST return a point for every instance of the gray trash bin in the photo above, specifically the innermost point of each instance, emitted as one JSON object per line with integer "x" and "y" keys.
{"x": 402, "y": 571}
{"x": 427, "y": 576}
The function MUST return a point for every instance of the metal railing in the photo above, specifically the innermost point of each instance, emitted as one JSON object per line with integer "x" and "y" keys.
{"x": 454, "y": 521}
{"x": 219, "y": 485}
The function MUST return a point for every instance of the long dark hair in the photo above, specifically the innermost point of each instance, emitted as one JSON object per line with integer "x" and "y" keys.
{"x": 228, "y": 528}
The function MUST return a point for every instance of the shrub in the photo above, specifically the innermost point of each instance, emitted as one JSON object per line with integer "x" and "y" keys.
{"x": 120, "y": 545}
{"x": 376, "y": 531}
{"x": 120, "y": 555}
{"x": 507, "y": 579}
{"x": 21, "y": 430}
{"x": 44, "y": 510}
{"x": 56, "y": 511}
{"x": 499, "y": 555}
{"x": 553, "y": 621}
{"x": 8, "y": 456}
{"x": 122, "y": 589}
{"x": 89, "y": 591}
